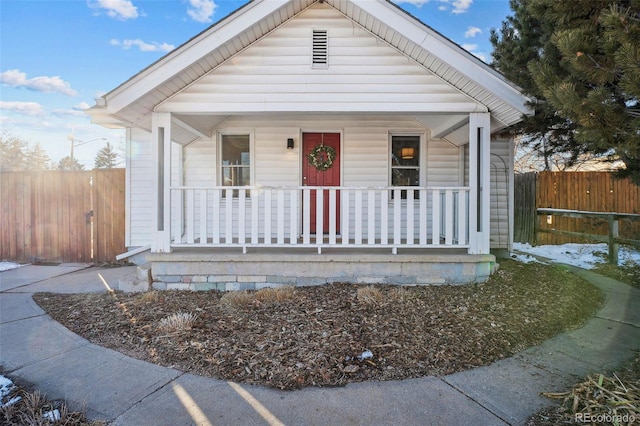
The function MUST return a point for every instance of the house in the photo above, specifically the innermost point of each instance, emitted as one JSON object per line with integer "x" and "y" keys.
{"x": 309, "y": 141}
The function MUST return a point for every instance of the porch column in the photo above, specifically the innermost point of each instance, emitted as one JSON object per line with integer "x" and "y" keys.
{"x": 161, "y": 158}
{"x": 479, "y": 182}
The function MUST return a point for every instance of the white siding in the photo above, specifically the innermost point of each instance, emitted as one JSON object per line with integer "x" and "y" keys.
{"x": 275, "y": 74}
{"x": 365, "y": 163}
{"x": 500, "y": 181}
{"x": 140, "y": 187}
{"x": 365, "y": 155}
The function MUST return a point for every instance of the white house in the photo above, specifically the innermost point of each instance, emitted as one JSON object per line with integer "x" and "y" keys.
{"x": 309, "y": 141}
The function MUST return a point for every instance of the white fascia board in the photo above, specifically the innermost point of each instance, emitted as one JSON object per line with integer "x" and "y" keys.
{"x": 100, "y": 116}
{"x": 314, "y": 106}
{"x": 190, "y": 52}
{"x": 446, "y": 51}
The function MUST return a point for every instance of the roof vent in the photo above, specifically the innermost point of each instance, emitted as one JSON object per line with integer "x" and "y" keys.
{"x": 320, "y": 49}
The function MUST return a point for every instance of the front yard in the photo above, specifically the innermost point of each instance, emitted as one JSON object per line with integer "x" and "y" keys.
{"x": 334, "y": 334}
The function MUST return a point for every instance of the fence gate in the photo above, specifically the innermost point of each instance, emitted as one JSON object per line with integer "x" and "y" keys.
{"x": 61, "y": 216}
{"x": 108, "y": 214}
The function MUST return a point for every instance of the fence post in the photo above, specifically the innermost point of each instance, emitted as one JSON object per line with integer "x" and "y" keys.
{"x": 613, "y": 236}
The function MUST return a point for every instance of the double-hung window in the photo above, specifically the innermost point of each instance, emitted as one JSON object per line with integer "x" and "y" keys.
{"x": 405, "y": 161}
{"x": 236, "y": 160}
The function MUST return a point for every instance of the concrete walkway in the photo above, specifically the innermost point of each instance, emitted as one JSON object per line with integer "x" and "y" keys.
{"x": 111, "y": 386}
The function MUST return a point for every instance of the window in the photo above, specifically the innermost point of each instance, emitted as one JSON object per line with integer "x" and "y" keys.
{"x": 405, "y": 161}
{"x": 320, "y": 40}
{"x": 236, "y": 160}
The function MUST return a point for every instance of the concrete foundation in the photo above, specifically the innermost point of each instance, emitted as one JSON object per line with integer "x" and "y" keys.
{"x": 227, "y": 271}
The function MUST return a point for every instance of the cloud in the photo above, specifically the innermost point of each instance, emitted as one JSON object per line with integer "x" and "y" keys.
{"x": 201, "y": 10}
{"x": 16, "y": 78}
{"x": 480, "y": 56}
{"x": 461, "y": 6}
{"x": 472, "y": 32}
{"x": 143, "y": 45}
{"x": 119, "y": 9}
{"x": 31, "y": 109}
{"x": 469, "y": 47}
{"x": 78, "y": 110}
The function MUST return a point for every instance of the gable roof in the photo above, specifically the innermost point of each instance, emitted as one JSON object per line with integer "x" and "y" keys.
{"x": 131, "y": 103}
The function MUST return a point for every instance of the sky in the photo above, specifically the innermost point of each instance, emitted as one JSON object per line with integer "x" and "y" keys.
{"x": 57, "y": 56}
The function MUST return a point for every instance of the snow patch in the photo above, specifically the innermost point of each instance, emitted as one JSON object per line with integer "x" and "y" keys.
{"x": 6, "y": 387}
{"x": 585, "y": 256}
{"x": 5, "y": 266}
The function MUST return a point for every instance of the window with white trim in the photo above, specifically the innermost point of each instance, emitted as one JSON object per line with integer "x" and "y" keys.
{"x": 235, "y": 160}
{"x": 405, "y": 161}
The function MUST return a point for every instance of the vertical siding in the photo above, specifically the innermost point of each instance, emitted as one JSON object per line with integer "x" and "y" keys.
{"x": 140, "y": 187}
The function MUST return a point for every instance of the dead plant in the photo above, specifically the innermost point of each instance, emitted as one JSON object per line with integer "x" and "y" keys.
{"x": 370, "y": 295}
{"x": 180, "y": 321}
{"x": 269, "y": 296}
{"x": 152, "y": 296}
{"x": 601, "y": 396}
{"x": 235, "y": 300}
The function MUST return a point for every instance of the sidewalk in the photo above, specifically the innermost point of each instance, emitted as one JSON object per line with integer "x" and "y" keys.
{"x": 113, "y": 387}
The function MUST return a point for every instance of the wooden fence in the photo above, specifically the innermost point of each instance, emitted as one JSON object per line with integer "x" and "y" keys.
{"x": 62, "y": 216}
{"x": 580, "y": 191}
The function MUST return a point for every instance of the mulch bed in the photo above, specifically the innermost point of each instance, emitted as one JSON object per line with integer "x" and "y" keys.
{"x": 335, "y": 334}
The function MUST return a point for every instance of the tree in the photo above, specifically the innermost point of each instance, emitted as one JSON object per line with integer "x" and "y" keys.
{"x": 68, "y": 163}
{"x": 581, "y": 61}
{"x": 15, "y": 154}
{"x": 106, "y": 158}
{"x": 37, "y": 159}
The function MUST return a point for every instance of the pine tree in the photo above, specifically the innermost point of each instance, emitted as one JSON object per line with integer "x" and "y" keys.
{"x": 68, "y": 163}
{"x": 37, "y": 159}
{"x": 106, "y": 158}
{"x": 13, "y": 152}
{"x": 580, "y": 60}
{"x": 521, "y": 40}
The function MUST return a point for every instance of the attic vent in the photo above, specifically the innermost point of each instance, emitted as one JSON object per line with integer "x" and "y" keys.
{"x": 320, "y": 49}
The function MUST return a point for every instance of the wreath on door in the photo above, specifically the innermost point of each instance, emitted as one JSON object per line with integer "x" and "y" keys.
{"x": 321, "y": 157}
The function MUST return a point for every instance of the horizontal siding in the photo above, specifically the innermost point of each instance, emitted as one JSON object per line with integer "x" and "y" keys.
{"x": 275, "y": 73}
{"x": 443, "y": 164}
{"x": 365, "y": 154}
{"x": 499, "y": 180}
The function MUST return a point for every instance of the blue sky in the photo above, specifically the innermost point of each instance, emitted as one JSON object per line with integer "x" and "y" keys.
{"x": 57, "y": 56}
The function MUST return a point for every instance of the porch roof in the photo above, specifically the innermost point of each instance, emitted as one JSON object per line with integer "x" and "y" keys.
{"x": 131, "y": 103}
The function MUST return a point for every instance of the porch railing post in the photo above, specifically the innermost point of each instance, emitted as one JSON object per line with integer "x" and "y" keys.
{"x": 479, "y": 182}
{"x": 161, "y": 160}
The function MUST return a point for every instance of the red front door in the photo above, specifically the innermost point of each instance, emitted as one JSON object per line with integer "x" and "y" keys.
{"x": 312, "y": 176}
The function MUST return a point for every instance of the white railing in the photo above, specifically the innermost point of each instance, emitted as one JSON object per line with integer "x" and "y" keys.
{"x": 391, "y": 217}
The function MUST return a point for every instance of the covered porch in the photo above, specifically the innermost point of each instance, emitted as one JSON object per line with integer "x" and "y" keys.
{"x": 213, "y": 236}
{"x": 266, "y": 215}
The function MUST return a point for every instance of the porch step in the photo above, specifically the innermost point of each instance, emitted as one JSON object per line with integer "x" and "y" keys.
{"x": 143, "y": 272}
{"x": 132, "y": 284}
{"x": 137, "y": 281}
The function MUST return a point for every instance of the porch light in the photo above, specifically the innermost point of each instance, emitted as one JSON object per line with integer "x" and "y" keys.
{"x": 290, "y": 143}
{"x": 407, "y": 153}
